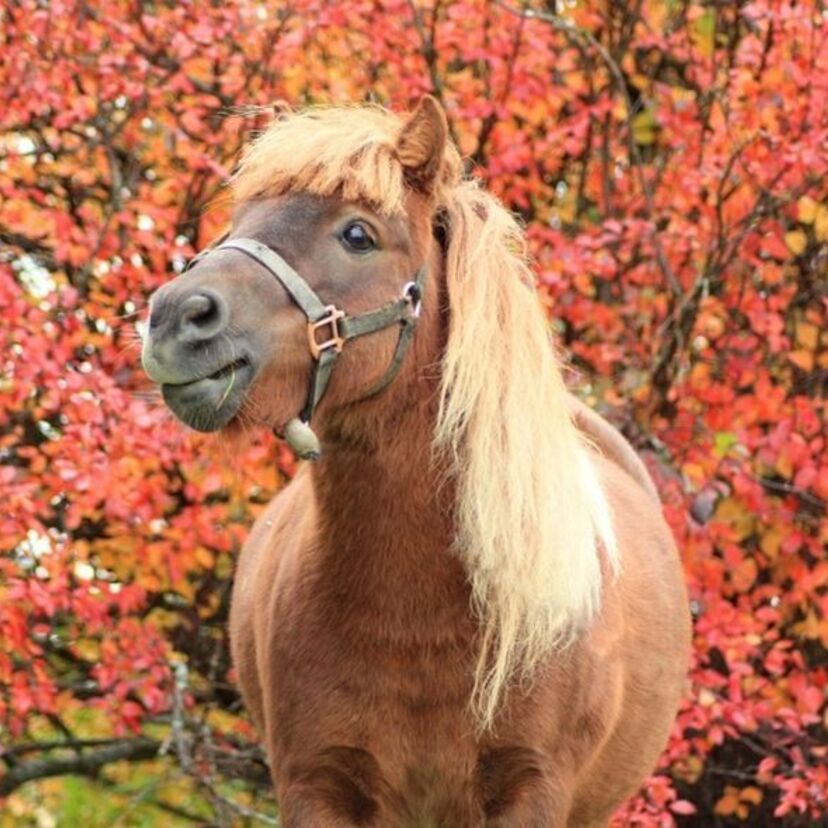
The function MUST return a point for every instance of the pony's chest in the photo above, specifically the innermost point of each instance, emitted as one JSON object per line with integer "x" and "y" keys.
{"x": 387, "y": 730}
{"x": 370, "y": 718}
{"x": 370, "y": 677}
{"x": 376, "y": 642}
{"x": 392, "y": 709}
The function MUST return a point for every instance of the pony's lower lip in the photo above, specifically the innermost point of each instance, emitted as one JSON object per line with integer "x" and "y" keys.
{"x": 224, "y": 371}
{"x": 209, "y": 403}
{"x": 230, "y": 368}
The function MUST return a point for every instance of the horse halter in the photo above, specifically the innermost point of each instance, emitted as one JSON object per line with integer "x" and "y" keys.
{"x": 335, "y": 328}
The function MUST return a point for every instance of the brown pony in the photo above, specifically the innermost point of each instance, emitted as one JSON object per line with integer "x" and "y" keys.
{"x": 469, "y": 611}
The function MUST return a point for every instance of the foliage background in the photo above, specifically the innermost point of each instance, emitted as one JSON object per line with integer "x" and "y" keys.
{"x": 670, "y": 159}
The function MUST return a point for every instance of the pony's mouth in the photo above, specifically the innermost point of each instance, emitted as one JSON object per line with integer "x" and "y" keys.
{"x": 209, "y": 402}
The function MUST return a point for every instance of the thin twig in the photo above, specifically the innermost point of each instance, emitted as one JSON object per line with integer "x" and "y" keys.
{"x": 581, "y": 38}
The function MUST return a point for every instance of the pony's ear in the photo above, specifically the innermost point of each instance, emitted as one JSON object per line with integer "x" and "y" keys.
{"x": 422, "y": 143}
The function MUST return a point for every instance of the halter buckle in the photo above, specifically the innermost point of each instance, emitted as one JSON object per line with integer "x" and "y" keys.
{"x": 335, "y": 340}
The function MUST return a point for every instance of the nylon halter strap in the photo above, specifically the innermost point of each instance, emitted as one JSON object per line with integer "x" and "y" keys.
{"x": 329, "y": 328}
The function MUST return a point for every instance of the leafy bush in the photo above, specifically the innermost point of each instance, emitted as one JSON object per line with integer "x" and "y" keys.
{"x": 670, "y": 159}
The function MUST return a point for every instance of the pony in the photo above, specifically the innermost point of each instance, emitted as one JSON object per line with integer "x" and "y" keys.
{"x": 468, "y": 610}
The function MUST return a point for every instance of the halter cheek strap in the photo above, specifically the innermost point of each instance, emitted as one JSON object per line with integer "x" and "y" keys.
{"x": 329, "y": 328}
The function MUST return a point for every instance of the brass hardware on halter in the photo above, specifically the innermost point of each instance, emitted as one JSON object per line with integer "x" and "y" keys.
{"x": 335, "y": 340}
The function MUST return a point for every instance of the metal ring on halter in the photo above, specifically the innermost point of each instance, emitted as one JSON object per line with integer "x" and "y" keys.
{"x": 414, "y": 296}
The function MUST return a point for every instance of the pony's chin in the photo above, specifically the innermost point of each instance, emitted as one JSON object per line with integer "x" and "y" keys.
{"x": 210, "y": 403}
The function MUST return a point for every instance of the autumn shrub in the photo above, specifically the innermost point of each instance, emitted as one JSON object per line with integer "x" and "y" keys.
{"x": 670, "y": 160}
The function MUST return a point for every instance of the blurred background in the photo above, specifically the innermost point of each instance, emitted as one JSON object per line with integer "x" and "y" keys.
{"x": 670, "y": 161}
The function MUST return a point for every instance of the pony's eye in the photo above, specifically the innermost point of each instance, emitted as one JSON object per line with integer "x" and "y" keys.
{"x": 358, "y": 238}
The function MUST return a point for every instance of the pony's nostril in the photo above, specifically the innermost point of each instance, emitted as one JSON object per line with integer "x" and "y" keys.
{"x": 199, "y": 309}
{"x": 201, "y": 314}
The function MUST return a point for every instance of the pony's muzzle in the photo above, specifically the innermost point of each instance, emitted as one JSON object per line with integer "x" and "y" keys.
{"x": 189, "y": 351}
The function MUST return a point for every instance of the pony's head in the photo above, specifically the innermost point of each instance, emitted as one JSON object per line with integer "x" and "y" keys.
{"x": 352, "y": 201}
{"x": 345, "y": 198}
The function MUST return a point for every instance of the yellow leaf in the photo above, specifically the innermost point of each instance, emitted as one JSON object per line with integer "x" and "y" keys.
{"x": 87, "y": 649}
{"x": 797, "y": 241}
{"x": 204, "y": 557}
{"x": 770, "y": 541}
{"x": 807, "y": 335}
{"x": 739, "y": 519}
{"x": 223, "y": 567}
{"x": 802, "y": 358}
{"x": 164, "y": 619}
{"x": 784, "y": 464}
{"x": 810, "y": 627}
{"x": 639, "y": 81}
{"x": 751, "y": 794}
{"x": 743, "y": 576}
{"x": 704, "y": 32}
{"x": 694, "y": 473}
{"x": 729, "y": 803}
{"x": 691, "y": 769}
{"x": 821, "y": 223}
{"x": 644, "y": 128}
{"x": 208, "y": 607}
{"x": 806, "y": 208}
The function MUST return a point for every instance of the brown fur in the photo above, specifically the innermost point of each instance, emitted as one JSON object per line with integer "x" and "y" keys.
{"x": 346, "y": 646}
{"x": 353, "y": 629}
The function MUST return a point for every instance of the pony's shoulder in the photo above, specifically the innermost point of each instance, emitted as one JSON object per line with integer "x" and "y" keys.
{"x": 611, "y": 443}
{"x": 281, "y": 519}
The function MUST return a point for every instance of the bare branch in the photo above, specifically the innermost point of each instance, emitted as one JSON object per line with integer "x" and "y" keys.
{"x": 193, "y": 743}
{"x": 429, "y": 53}
{"x": 582, "y": 38}
{"x": 84, "y": 763}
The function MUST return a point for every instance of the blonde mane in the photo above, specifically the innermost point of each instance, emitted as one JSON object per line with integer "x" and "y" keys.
{"x": 531, "y": 514}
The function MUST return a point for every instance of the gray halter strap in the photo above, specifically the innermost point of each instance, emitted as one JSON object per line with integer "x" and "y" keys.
{"x": 337, "y": 328}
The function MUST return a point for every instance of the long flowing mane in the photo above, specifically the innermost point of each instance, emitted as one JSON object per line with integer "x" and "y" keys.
{"x": 531, "y": 514}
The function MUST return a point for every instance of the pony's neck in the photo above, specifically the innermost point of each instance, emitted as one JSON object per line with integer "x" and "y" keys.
{"x": 385, "y": 522}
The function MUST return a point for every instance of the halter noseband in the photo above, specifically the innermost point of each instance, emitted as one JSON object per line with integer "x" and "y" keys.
{"x": 337, "y": 328}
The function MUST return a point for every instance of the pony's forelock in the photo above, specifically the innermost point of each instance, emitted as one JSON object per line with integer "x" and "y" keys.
{"x": 531, "y": 513}
{"x": 333, "y": 151}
